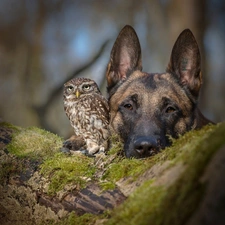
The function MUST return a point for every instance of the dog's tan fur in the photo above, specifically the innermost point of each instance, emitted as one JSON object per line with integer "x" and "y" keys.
{"x": 145, "y": 108}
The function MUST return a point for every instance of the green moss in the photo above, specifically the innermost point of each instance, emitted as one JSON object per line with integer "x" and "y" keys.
{"x": 73, "y": 219}
{"x": 34, "y": 143}
{"x": 62, "y": 169}
{"x": 107, "y": 185}
{"x": 138, "y": 206}
{"x": 8, "y": 168}
{"x": 8, "y": 125}
{"x": 120, "y": 166}
{"x": 151, "y": 204}
{"x": 123, "y": 167}
{"x": 116, "y": 145}
{"x": 37, "y": 144}
{"x": 186, "y": 143}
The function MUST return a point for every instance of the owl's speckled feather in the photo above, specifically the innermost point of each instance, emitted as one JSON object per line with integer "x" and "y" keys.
{"x": 88, "y": 112}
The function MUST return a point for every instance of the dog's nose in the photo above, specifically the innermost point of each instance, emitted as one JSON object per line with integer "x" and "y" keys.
{"x": 145, "y": 146}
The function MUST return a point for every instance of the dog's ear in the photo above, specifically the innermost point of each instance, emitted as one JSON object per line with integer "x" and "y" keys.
{"x": 125, "y": 57}
{"x": 185, "y": 62}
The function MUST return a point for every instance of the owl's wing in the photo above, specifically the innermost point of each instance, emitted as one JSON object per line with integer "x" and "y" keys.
{"x": 101, "y": 106}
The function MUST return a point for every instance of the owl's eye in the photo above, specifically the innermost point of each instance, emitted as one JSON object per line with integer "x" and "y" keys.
{"x": 69, "y": 88}
{"x": 86, "y": 87}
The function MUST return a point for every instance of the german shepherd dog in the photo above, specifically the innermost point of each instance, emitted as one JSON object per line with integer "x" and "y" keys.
{"x": 147, "y": 108}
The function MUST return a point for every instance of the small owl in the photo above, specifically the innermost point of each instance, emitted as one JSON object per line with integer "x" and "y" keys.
{"x": 88, "y": 112}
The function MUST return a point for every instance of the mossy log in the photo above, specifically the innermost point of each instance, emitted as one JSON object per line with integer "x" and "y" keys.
{"x": 183, "y": 184}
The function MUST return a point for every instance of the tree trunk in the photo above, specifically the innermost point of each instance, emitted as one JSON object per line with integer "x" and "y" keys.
{"x": 25, "y": 197}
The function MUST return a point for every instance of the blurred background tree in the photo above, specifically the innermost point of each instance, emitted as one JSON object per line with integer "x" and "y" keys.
{"x": 45, "y": 43}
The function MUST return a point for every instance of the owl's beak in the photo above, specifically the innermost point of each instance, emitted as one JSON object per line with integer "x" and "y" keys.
{"x": 77, "y": 94}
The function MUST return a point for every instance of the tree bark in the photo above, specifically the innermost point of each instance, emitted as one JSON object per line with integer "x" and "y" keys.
{"x": 23, "y": 194}
{"x": 24, "y": 198}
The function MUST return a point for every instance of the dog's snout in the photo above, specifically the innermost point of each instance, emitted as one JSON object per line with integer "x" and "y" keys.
{"x": 145, "y": 146}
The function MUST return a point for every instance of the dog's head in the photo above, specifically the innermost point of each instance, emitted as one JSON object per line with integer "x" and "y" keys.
{"x": 147, "y": 108}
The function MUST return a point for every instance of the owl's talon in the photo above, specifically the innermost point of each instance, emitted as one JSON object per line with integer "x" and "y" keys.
{"x": 67, "y": 144}
{"x": 85, "y": 152}
{"x": 65, "y": 150}
{"x": 74, "y": 143}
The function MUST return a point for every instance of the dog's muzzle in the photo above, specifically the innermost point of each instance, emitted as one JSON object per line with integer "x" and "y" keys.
{"x": 143, "y": 146}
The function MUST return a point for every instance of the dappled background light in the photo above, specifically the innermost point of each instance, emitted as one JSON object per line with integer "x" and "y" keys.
{"x": 45, "y": 43}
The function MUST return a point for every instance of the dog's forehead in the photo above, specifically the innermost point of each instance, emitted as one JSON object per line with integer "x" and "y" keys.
{"x": 147, "y": 83}
{"x": 151, "y": 88}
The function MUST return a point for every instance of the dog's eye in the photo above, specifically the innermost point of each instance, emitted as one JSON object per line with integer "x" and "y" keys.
{"x": 128, "y": 106}
{"x": 170, "y": 109}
